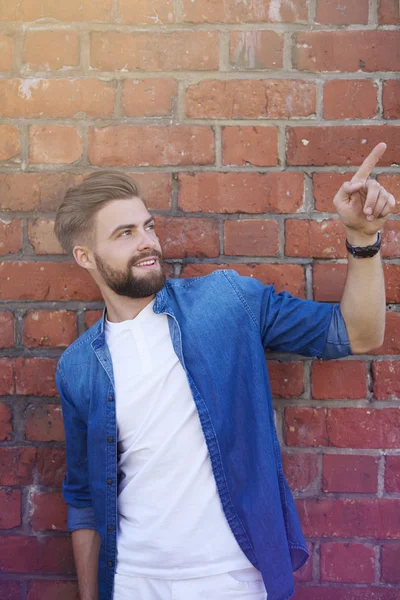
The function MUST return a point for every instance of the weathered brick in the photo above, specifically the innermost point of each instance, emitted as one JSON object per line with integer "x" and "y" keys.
{"x": 48, "y": 590}
{"x": 230, "y": 11}
{"x": 35, "y": 376}
{"x": 73, "y": 10}
{"x": 326, "y": 185}
{"x": 255, "y": 146}
{"x": 5, "y": 415}
{"x": 7, "y": 52}
{"x": 342, "y": 146}
{"x": 156, "y": 189}
{"x": 148, "y": 97}
{"x": 10, "y": 590}
{"x": 152, "y": 12}
{"x": 300, "y": 469}
{"x": 392, "y": 475}
{"x": 350, "y": 99}
{"x": 305, "y": 574}
{"x": 181, "y": 237}
{"x": 335, "y": 12}
{"x": 51, "y": 50}
{"x": 10, "y": 508}
{"x": 251, "y": 237}
{"x": 391, "y": 102}
{"x": 49, "y": 512}
{"x": 347, "y": 51}
{"x": 345, "y": 593}
{"x": 54, "y": 144}
{"x": 44, "y": 423}
{"x": 390, "y": 563}
{"x": 6, "y": 329}
{"x": 10, "y": 236}
{"x": 152, "y": 145}
{"x": 44, "y": 556}
{"x": 42, "y": 237}
{"x": 17, "y": 465}
{"x": 391, "y": 239}
{"x": 347, "y": 563}
{"x": 9, "y": 142}
{"x": 388, "y": 12}
{"x": 286, "y": 379}
{"x": 386, "y": 376}
{"x": 391, "y": 344}
{"x": 256, "y": 50}
{"x": 329, "y": 282}
{"x": 49, "y": 328}
{"x": 172, "y": 51}
{"x": 34, "y": 191}
{"x": 250, "y": 99}
{"x": 319, "y": 239}
{"x": 350, "y": 473}
{"x": 92, "y": 316}
{"x": 363, "y": 428}
{"x": 305, "y": 426}
{"x": 283, "y": 277}
{"x": 392, "y": 184}
{"x": 339, "y": 379}
{"x": 46, "y": 281}
{"x": 56, "y": 98}
{"x": 50, "y": 466}
{"x": 241, "y": 192}
{"x": 7, "y": 384}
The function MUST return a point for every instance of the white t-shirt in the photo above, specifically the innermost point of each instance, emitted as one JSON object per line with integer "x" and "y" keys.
{"x": 170, "y": 520}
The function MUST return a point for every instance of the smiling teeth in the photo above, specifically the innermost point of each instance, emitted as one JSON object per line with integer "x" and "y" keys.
{"x": 146, "y": 262}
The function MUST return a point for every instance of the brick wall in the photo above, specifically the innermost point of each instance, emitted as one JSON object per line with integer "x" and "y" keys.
{"x": 240, "y": 120}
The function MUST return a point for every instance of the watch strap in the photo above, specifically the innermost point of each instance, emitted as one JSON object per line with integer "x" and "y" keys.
{"x": 365, "y": 251}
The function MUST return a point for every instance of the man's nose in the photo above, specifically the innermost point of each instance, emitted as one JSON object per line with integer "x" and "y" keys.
{"x": 146, "y": 241}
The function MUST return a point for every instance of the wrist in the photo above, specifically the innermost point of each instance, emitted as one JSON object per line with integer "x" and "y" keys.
{"x": 358, "y": 238}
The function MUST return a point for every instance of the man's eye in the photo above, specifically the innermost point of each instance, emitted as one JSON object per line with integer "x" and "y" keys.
{"x": 151, "y": 226}
{"x": 127, "y": 231}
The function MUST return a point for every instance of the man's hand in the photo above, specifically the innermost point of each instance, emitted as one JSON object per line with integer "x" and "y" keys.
{"x": 362, "y": 204}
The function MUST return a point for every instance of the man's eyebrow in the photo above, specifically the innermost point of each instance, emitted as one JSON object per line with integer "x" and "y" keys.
{"x": 130, "y": 226}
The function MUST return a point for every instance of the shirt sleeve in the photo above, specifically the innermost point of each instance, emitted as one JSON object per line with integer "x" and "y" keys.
{"x": 289, "y": 324}
{"x": 76, "y": 490}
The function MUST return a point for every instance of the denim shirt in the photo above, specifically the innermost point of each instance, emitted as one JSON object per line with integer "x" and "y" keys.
{"x": 220, "y": 327}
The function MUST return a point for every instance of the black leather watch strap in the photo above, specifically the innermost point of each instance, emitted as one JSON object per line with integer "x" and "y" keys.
{"x": 365, "y": 251}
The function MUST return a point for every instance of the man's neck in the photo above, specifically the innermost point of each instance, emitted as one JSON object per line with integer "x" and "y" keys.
{"x": 121, "y": 308}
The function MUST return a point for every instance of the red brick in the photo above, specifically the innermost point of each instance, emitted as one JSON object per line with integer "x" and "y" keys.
{"x": 44, "y": 423}
{"x": 152, "y": 145}
{"x": 230, "y": 11}
{"x": 46, "y": 281}
{"x": 51, "y": 50}
{"x": 347, "y": 99}
{"x": 10, "y": 236}
{"x": 251, "y": 237}
{"x": 346, "y": 517}
{"x": 301, "y": 470}
{"x": 148, "y": 97}
{"x": 10, "y": 590}
{"x": 339, "y": 379}
{"x": 10, "y": 508}
{"x": 306, "y": 572}
{"x": 326, "y": 186}
{"x": 54, "y": 144}
{"x": 241, "y": 192}
{"x": 390, "y": 563}
{"x": 347, "y": 51}
{"x": 364, "y": 428}
{"x": 156, "y": 189}
{"x": 42, "y": 237}
{"x": 250, "y": 99}
{"x": 283, "y": 277}
{"x": 56, "y": 98}
{"x": 256, "y": 50}
{"x": 49, "y": 590}
{"x": 50, "y": 467}
{"x": 386, "y": 376}
{"x": 350, "y": 473}
{"x": 92, "y": 316}
{"x": 35, "y": 376}
{"x": 305, "y": 426}
{"x": 181, "y": 237}
{"x": 49, "y": 512}
{"x": 319, "y": 239}
{"x": 46, "y": 190}
{"x": 249, "y": 146}
{"x": 7, "y": 52}
{"x": 286, "y": 378}
{"x": 5, "y": 418}
{"x": 388, "y": 12}
{"x": 345, "y": 593}
{"x": 6, "y": 329}
{"x": 344, "y": 145}
{"x": 391, "y": 102}
{"x": 7, "y": 385}
{"x": 150, "y": 51}
{"x": 347, "y": 563}
{"x": 392, "y": 281}
{"x": 392, "y": 475}
{"x": 151, "y": 12}
{"x": 335, "y": 12}
{"x": 17, "y": 465}
{"x": 49, "y": 328}
{"x": 392, "y": 184}
{"x": 329, "y": 282}
{"x": 391, "y": 239}
{"x": 44, "y": 556}
{"x": 9, "y": 142}
{"x": 391, "y": 344}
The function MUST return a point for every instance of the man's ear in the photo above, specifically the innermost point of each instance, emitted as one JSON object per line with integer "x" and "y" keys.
{"x": 84, "y": 257}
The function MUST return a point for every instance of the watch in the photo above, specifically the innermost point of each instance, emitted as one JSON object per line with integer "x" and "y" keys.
{"x": 365, "y": 251}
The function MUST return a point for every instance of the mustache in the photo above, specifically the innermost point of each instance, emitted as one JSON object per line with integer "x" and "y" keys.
{"x": 140, "y": 257}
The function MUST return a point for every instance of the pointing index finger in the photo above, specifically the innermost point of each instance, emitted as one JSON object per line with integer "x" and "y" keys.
{"x": 369, "y": 163}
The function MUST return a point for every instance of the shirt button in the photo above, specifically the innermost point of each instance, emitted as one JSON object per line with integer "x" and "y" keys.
{"x": 110, "y": 563}
{"x": 110, "y": 439}
{"x": 110, "y": 528}
{"x": 109, "y": 481}
{"x": 111, "y": 398}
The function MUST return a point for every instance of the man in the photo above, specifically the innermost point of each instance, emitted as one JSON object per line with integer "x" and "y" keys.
{"x": 174, "y": 483}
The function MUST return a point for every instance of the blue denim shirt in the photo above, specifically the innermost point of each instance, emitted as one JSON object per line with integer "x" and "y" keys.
{"x": 220, "y": 327}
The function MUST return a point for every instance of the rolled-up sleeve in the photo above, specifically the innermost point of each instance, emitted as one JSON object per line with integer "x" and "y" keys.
{"x": 80, "y": 518}
{"x": 337, "y": 343}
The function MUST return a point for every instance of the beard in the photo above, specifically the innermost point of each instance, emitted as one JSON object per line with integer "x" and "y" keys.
{"x": 125, "y": 283}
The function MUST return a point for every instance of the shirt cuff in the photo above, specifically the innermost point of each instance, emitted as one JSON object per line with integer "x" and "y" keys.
{"x": 80, "y": 518}
{"x": 337, "y": 344}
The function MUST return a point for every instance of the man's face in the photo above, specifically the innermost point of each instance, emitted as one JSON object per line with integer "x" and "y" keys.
{"x": 127, "y": 250}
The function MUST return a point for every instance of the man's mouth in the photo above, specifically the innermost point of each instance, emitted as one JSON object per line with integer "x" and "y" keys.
{"x": 147, "y": 263}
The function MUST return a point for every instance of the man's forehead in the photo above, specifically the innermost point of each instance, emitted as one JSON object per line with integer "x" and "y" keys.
{"x": 130, "y": 210}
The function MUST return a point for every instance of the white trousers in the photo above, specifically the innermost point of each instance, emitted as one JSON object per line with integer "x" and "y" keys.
{"x": 246, "y": 584}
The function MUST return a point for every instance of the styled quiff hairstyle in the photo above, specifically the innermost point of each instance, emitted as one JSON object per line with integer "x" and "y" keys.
{"x": 77, "y": 211}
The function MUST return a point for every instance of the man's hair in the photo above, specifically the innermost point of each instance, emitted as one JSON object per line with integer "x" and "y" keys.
{"x": 76, "y": 213}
